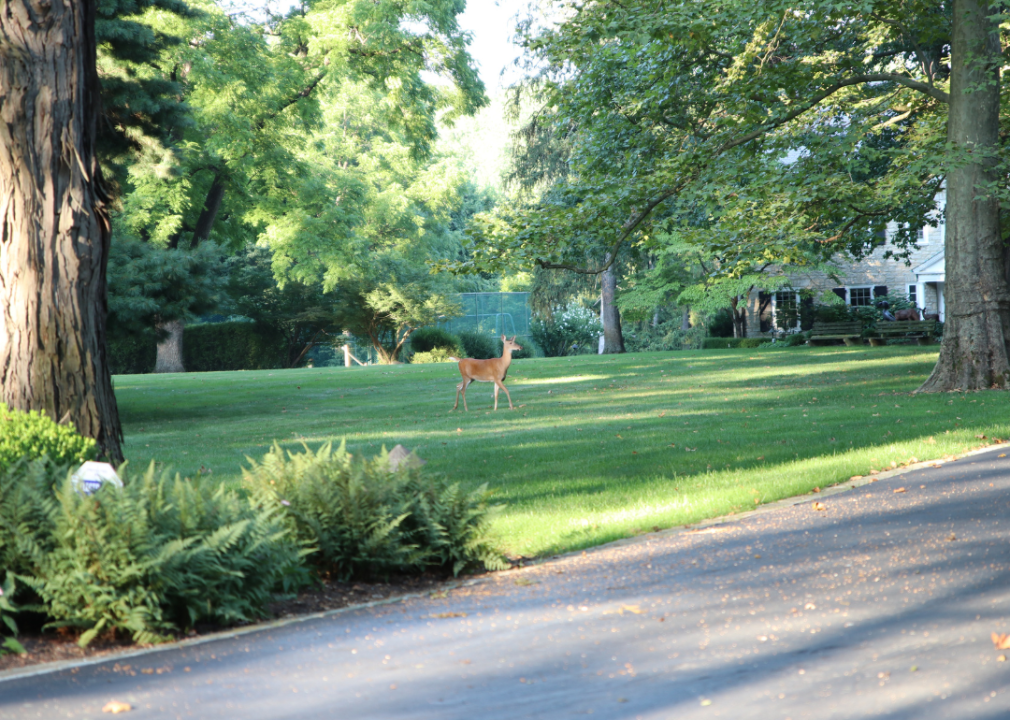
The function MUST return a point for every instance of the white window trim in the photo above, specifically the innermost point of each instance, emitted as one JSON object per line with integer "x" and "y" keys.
{"x": 848, "y": 294}
{"x": 775, "y": 309}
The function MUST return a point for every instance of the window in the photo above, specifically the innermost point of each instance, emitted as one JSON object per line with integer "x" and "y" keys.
{"x": 787, "y": 310}
{"x": 912, "y": 295}
{"x": 860, "y": 296}
{"x": 920, "y": 236}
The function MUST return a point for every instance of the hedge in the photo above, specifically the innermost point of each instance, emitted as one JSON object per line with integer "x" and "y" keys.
{"x": 233, "y": 345}
{"x": 727, "y": 343}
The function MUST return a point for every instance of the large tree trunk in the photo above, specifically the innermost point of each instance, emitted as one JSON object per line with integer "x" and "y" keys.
{"x": 54, "y": 225}
{"x": 613, "y": 339}
{"x": 685, "y": 321}
{"x": 169, "y": 358}
{"x": 974, "y": 353}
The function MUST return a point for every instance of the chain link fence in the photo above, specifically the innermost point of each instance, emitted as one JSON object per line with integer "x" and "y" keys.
{"x": 492, "y": 313}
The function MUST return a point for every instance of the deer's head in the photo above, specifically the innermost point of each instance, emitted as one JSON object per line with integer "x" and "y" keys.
{"x": 509, "y": 344}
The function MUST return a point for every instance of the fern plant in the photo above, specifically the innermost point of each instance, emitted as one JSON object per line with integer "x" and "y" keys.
{"x": 361, "y": 519}
{"x": 158, "y": 555}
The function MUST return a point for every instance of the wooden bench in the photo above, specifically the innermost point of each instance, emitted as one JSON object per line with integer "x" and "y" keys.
{"x": 923, "y": 331}
{"x": 849, "y": 331}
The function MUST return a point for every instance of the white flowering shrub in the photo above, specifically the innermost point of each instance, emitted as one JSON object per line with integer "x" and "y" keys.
{"x": 571, "y": 331}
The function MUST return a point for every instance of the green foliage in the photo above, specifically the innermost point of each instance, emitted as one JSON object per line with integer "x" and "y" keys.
{"x": 723, "y": 343}
{"x": 132, "y": 354}
{"x": 665, "y": 337}
{"x": 429, "y": 338}
{"x": 570, "y": 331}
{"x": 156, "y": 556}
{"x": 479, "y": 346}
{"x": 720, "y": 325}
{"x": 364, "y": 521}
{"x": 7, "y": 612}
{"x": 31, "y": 435}
{"x": 438, "y": 355}
{"x": 150, "y": 285}
{"x": 234, "y": 345}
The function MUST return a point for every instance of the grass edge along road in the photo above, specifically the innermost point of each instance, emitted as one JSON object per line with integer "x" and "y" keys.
{"x": 599, "y": 447}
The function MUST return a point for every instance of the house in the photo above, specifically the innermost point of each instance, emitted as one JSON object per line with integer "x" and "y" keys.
{"x": 920, "y": 277}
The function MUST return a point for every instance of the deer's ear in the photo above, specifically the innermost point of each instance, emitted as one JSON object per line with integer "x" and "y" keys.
{"x": 503, "y": 338}
{"x": 513, "y": 339}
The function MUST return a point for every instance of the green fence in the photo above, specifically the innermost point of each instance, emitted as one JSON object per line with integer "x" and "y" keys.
{"x": 493, "y": 313}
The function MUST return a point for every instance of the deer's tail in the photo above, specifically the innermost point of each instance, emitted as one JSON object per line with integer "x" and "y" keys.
{"x": 454, "y": 359}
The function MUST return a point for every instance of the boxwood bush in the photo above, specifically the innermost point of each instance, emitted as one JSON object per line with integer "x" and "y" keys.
{"x": 364, "y": 520}
{"x": 427, "y": 339}
{"x": 479, "y": 346}
{"x": 34, "y": 435}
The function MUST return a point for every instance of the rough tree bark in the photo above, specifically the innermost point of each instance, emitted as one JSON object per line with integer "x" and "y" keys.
{"x": 613, "y": 339}
{"x": 974, "y": 354}
{"x": 54, "y": 224}
{"x": 685, "y": 320}
{"x": 169, "y": 358}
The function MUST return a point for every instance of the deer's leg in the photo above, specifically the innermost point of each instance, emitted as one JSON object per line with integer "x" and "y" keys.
{"x": 502, "y": 386}
{"x": 458, "y": 388}
{"x": 466, "y": 384}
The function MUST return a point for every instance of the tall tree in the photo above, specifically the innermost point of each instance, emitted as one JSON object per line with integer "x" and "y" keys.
{"x": 54, "y": 220}
{"x": 675, "y": 102}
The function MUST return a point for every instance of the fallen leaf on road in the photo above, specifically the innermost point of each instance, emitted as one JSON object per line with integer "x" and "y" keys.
{"x": 632, "y": 609}
{"x": 951, "y": 538}
{"x": 816, "y": 490}
{"x": 1001, "y": 455}
{"x": 1001, "y": 658}
{"x": 899, "y": 490}
{"x": 448, "y": 615}
{"x": 856, "y": 477}
{"x": 438, "y": 594}
{"x": 114, "y": 706}
{"x": 524, "y": 581}
{"x": 820, "y": 506}
{"x": 1001, "y": 641}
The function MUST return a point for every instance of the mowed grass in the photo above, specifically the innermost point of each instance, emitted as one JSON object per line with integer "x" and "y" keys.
{"x": 599, "y": 447}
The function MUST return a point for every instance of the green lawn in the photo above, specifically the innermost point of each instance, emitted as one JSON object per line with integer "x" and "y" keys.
{"x": 600, "y": 447}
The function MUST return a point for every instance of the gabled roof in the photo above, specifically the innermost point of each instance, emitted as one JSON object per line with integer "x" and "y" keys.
{"x": 932, "y": 266}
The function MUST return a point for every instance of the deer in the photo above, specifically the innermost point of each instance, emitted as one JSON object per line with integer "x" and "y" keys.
{"x": 493, "y": 370}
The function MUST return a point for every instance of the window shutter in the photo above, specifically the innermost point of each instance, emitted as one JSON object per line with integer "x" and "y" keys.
{"x": 879, "y": 290}
{"x": 840, "y": 292}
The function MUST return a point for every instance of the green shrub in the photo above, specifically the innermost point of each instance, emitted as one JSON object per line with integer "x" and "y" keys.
{"x": 366, "y": 521}
{"x": 571, "y": 331}
{"x": 796, "y": 339}
{"x": 720, "y": 343}
{"x": 33, "y": 435}
{"x": 133, "y": 354}
{"x": 156, "y": 556}
{"x": 752, "y": 342}
{"x": 426, "y": 339}
{"x": 479, "y": 346}
{"x": 721, "y": 324}
{"x": 438, "y": 355}
{"x": 233, "y": 345}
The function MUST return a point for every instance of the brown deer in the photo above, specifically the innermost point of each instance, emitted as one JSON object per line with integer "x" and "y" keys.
{"x": 493, "y": 370}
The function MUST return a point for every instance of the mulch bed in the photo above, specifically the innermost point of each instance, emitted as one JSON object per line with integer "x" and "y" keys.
{"x": 332, "y": 595}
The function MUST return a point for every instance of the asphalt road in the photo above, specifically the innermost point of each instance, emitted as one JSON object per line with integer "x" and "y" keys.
{"x": 882, "y": 604}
